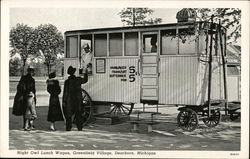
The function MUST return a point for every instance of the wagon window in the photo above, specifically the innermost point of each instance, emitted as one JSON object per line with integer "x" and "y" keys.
{"x": 169, "y": 42}
{"x": 86, "y": 54}
{"x": 150, "y": 43}
{"x": 131, "y": 44}
{"x": 71, "y": 43}
{"x": 187, "y": 41}
{"x": 100, "y": 45}
{"x": 115, "y": 44}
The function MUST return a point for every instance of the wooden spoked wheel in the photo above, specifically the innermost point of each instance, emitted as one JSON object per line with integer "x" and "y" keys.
{"x": 214, "y": 118}
{"x": 187, "y": 119}
{"x": 119, "y": 109}
{"x": 87, "y": 108}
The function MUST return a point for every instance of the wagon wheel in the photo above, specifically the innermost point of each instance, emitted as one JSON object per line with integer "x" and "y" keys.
{"x": 87, "y": 107}
{"x": 187, "y": 119}
{"x": 120, "y": 109}
{"x": 214, "y": 118}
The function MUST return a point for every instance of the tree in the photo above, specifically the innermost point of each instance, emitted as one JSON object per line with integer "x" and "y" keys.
{"x": 49, "y": 43}
{"x": 230, "y": 19}
{"x": 138, "y": 16}
{"x": 22, "y": 42}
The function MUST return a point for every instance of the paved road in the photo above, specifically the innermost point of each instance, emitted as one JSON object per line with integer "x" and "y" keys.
{"x": 167, "y": 136}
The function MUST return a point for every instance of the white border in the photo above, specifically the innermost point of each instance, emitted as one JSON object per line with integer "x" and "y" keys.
{"x": 4, "y": 116}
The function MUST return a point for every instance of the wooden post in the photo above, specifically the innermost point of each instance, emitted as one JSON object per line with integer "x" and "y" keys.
{"x": 210, "y": 66}
{"x": 224, "y": 69}
{"x": 135, "y": 127}
{"x": 150, "y": 128}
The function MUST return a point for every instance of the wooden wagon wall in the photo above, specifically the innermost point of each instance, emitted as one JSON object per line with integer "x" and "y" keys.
{"x": 105, "y": 88}
{"x": 183, "y": 80}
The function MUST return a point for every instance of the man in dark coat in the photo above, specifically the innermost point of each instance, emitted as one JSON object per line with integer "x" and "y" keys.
{"x": 72, "y": 98}
{"x": 25, "y": 99}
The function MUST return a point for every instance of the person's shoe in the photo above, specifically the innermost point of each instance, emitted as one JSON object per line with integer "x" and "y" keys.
{"x": 32, "y": 127}
{"x": 26, "y": 129}
{"x": 52, "y": 129}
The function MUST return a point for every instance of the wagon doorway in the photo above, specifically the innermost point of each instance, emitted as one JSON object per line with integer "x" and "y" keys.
{"x": 149, "y": 67}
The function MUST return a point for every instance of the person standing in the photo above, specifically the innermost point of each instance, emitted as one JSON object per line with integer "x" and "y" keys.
{"x": 54, "y": 112}
{"x": 72, "y": 98}
{"x": 25, "y": 100}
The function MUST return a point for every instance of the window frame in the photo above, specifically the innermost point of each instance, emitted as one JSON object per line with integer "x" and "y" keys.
{"x": 145, "y": 34}
{"x": 177, "y": 52}
{"x": 138, "y": 44}
{"x": 177, "y": 28}
{"x": 122, "y": 44}
{"x": 67, "y": 46}
{"x": 107, "y": 44}
{"x": 195, "y": 42}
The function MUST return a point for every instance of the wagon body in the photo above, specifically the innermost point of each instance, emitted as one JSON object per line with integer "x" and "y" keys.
{"x": 125, "y": 70}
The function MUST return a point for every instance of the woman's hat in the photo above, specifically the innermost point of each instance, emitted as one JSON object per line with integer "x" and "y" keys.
{"x": 71, "y": 70}
{"x": 52, "y": 75}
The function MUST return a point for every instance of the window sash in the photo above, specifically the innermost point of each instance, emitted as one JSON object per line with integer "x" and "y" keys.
{"x": 72, "y": 47}
{"x": 100, "y": 45}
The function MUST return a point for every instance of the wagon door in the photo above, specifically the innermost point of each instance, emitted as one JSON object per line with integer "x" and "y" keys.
{"x": 149, "y": 67}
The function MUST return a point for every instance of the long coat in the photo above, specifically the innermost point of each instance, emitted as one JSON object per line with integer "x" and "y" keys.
{"x": 24, "y": 87}
{"x": 72, "y": 95}
{"x": 55, "y": 112}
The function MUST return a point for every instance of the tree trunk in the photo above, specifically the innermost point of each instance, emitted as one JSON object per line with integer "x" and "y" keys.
{"x": 133, "y": 17}
{"x": 24, "y": 62}
{"x": 48, "y": 67}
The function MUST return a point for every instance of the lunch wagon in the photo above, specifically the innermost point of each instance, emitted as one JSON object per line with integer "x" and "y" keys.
{"x": 180, "y": 64}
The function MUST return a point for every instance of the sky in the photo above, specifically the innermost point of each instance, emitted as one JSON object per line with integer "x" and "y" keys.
{"x": 80, "y": 18}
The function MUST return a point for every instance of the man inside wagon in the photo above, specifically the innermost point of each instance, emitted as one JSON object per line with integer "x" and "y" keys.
{"x": 86, "y": 59}
{"x": 153, "y": 42}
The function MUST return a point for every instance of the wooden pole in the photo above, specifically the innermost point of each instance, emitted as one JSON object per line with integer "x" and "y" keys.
{"x": 224, "y": 69}
{"x": 210, "y": 66}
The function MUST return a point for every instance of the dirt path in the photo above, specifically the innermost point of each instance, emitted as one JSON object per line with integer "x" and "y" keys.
{"x": 167, "y": 136}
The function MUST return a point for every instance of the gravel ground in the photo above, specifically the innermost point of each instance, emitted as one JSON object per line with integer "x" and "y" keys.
{"x": 166, "y": 136}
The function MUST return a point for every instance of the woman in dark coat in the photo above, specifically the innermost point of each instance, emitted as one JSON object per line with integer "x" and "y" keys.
{"x": 55, "y": 112}
{"x": 72, "y": 98}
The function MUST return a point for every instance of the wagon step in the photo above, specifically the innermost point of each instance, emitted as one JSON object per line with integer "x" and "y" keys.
{"x": 149, "y": 123}
{"x": 106, "y": 119}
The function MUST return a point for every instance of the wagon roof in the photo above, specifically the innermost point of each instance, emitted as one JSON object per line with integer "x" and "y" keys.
{"x": 129, "y": 27}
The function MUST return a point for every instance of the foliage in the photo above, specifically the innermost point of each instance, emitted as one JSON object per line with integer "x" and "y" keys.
{"x": 15, "y": 67}
{"x": 138, "y": 16}
{"x": 230, "y": 19}
{"x": 49, "y": 43}
{"x": 22, "y": 42}
{"x": 43, "y": 43}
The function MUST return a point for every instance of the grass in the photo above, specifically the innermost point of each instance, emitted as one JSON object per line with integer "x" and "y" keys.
{"x": 40, "y": 84}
